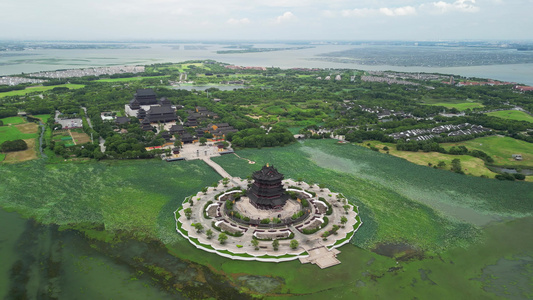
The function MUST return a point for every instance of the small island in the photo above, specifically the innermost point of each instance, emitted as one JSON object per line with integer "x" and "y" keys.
{"x": 269, "y": 219}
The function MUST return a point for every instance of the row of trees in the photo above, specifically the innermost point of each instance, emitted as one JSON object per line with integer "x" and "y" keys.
{"x": 258, "y": 137}
{"x": 431, "y": 146}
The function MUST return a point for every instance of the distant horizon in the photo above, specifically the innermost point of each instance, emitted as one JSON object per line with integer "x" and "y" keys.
{"x": 264, "y": 41}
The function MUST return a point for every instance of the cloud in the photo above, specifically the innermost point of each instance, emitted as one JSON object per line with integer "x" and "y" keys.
{"x": 390, "y": 12}
{"x": 287, "y": 16}
{"x": 439, "y": 7}
{"x": 233, "y": 21}
{"x": 399, "y": 11}
{"x": 442, "y": 7}
{"x": 358, "y": 12}
{"x": 329, "y": 14}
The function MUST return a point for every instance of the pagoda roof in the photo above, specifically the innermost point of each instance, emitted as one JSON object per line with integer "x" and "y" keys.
{"x": 268, "y": 173}
{"x": 122, "y": 120}
{"x": 160, "y": 110}
{"x": 176, "y": 127}
{"x": 145, "y": 92}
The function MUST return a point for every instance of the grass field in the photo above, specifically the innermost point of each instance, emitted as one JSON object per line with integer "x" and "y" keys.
{"x": 459, "y": 106}
{"x": 12, "y": 132}
{"x": 28, "y": 127}
{"x": 501, "y": 149}
{"x": 471, "y": 165}
{"x": 80, "y": 137}
{"x": 39, "y": 89}
{"x": 452, "y": 103}
{"x": 13, "y": 120}
{"x": 511, "y": 115}
{"x": 20, "y": 156}
{"x": 43, "y": 118}
{"x": 433, "y": 211}
{"x": 26, "y": 131}
{"x": 131, "y": 79}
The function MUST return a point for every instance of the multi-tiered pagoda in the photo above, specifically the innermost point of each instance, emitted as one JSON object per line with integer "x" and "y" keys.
{"x": 267, "y": 191}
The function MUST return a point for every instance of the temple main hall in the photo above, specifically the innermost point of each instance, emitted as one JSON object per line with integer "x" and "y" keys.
{"x": 267, "y": 190}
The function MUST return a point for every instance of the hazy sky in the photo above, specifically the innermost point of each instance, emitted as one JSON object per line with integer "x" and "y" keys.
{"x": 266, "y": 19}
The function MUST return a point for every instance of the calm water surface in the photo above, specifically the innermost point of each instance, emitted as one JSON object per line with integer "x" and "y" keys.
{"x": 16, "y": 62}
{"x": 38, "y": 261}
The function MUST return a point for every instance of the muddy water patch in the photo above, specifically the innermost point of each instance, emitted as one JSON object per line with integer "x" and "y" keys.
{"x": 449, "y": 202}
{"x": 261, "y": 284}
{"x": 509, "y": 278}
{"x": 400, "y": 251}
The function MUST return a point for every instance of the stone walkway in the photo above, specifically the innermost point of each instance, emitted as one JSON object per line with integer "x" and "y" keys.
{"x": 217, "y": 167}
{"x": 322, "y": 257}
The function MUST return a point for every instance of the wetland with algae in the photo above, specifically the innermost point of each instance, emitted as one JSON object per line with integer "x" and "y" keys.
{"x": 105, "y": 230}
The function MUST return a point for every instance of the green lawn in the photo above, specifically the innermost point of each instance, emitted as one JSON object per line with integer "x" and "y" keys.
{"x": 13, "y": 120}
{"x": 459, "y": 106}
{"x": 39, "y": 89}
{"x": 452, "y": 103}
{"x": 511, "y": 115}
{"x": 44, "y": 118}
{"x": 500, "y": 149}
{"x": 2, "y": 156}
{"x": 9, "y": 133}
{"x": 471, "y": 165}
{"x": 131, "y": 79}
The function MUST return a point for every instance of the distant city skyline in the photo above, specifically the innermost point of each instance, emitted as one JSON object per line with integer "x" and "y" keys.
{"x": 266, "y": 20}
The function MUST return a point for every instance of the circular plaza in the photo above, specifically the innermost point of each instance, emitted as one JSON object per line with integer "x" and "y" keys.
{"x": 268, "y": 219}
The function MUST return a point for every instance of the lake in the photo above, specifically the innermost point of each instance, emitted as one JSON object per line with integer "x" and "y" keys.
{"x": 16, "y": 62}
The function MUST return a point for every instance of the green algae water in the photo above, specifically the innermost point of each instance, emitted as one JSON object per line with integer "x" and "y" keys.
{"x": 40, "y": 262}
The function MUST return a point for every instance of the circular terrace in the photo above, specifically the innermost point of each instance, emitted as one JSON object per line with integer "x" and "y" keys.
{"x": 311, "y": 224}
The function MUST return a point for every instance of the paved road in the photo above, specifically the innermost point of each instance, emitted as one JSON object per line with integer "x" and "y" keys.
{"x": 43, "y": 128}
{"x": 101, "y": 141}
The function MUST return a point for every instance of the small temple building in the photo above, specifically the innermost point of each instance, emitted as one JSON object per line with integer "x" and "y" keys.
{"x": 267, "y": 191}
{"x": 143, "y": 97}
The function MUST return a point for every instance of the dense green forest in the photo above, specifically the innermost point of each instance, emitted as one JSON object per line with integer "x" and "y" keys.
{"x": 299, "y": 100}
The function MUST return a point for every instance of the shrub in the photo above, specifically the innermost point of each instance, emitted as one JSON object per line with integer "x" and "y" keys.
{"x": 519, "y": 176}
{"x": 16, "y": 145}
{"x": 188, "y": 213}
{"x": 505, "y": 176}
{"x": 205, "y": 208}
{"x": 294, "y": 244}
{"x": 297, "y": 215}
{"x": 275, "y": 245}
{"x": 310, "y": 231}
{"x": 229, "y": 204}
{"x": 265, "y": 221}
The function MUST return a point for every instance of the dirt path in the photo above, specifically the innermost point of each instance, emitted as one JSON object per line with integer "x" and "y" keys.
{"x": 73, "y": 140}
{"x": 249, "y": 161}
